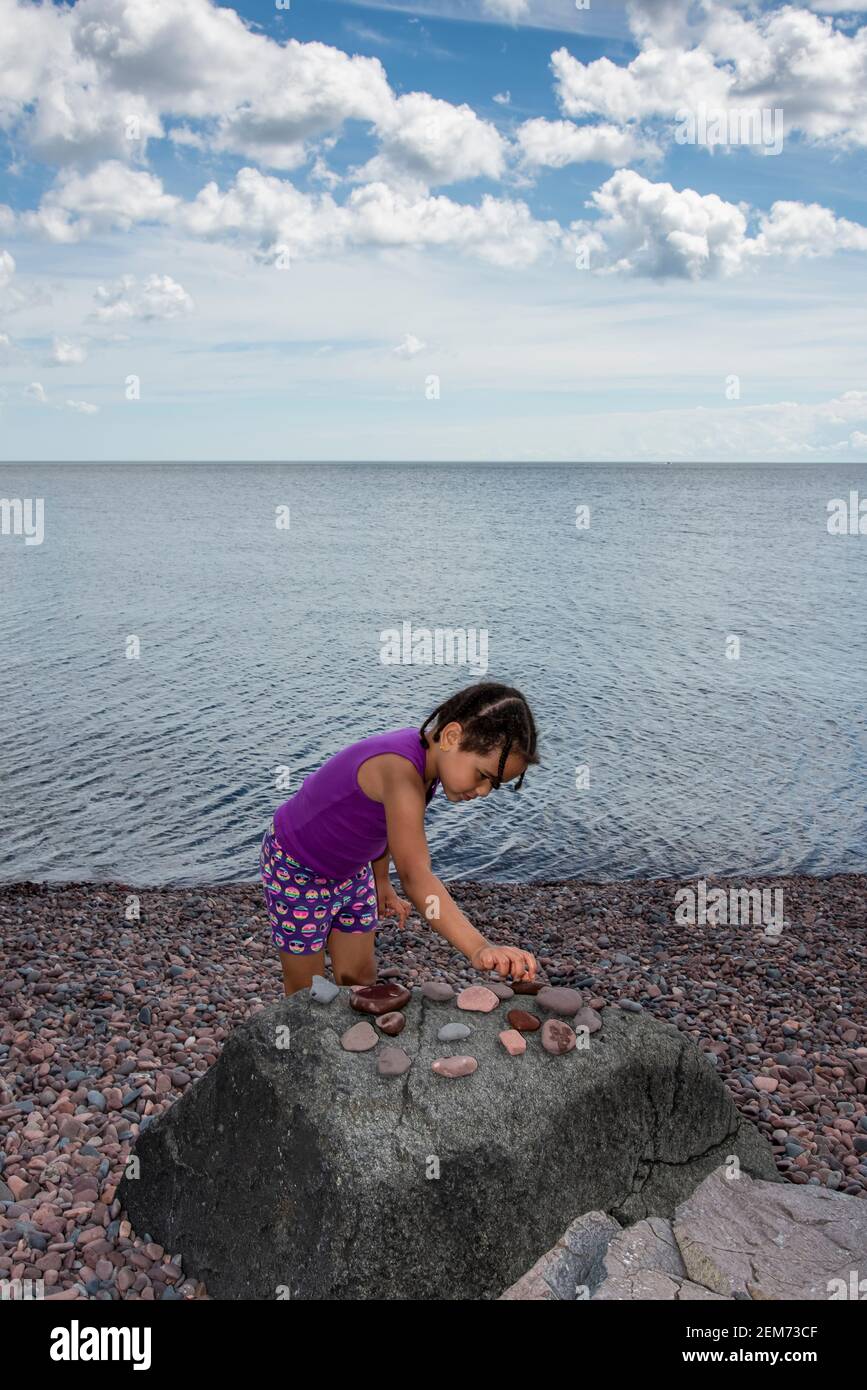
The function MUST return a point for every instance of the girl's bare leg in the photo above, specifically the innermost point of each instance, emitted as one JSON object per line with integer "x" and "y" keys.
{"x": 353, "y": 958}
{"x": 298, "y": 971}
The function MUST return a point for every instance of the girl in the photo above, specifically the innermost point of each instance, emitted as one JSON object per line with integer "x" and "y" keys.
{"x": 325, "y": 856}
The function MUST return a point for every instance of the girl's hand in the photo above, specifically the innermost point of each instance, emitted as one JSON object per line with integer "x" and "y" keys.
{"x": 507, "y": 960}
{"x": 388, "y": 904}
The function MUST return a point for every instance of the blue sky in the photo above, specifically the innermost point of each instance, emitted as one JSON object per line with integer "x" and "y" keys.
{"x": 353, "y": 231}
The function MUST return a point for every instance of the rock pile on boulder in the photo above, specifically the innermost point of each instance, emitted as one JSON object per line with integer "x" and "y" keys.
{"x": 298, "y": 1169}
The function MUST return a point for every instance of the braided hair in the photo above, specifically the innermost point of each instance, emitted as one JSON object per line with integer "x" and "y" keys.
{"x": 491, "y": 715}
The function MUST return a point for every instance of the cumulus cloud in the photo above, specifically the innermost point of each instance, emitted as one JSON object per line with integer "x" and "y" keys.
{"x": 271, "y": 211}
{"x": 410, "y": 347}
{"x": 656, "y": 230}
{"x": 554, "y": 144}
{"x": 111, "y": 196}
{"x": 159, "y": 297}
{"x": 36, "y": 392}
{"x": 65, "y": 353}
{"x": 502, "y": 98}
{"x": 431, "y": 142}
{"x": 83, "y": 407}
{"x": 719, "y": 56}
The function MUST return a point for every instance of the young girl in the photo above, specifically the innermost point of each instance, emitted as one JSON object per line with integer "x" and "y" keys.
{"x": 325, "y": 856}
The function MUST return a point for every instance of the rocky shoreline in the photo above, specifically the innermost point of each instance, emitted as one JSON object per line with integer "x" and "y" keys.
{"x": 106, "y": 1018}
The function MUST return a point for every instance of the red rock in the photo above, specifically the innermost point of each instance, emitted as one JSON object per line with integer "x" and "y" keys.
{"x": 765, "y": 1083}
{"x": 392, "y": 1023}
{"x": 454, "y": 1066}
{"x": 557, "y": 1036}
{"x": 477, "y": 998}
{"x": 527, "y": 986}
{"x": 513, "y": 1042}
{"x": 523, "y": 1021}
{"x": 379, "y": 999}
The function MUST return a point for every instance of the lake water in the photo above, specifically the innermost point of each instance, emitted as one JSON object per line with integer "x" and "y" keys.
{"x": 260, "y": 650}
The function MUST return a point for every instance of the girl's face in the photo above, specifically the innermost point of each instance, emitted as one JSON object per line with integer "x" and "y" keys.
{"x": 465, "y": 776}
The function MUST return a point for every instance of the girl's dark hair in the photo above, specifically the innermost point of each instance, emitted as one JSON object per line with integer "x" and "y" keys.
{"x": 491, "y": 715}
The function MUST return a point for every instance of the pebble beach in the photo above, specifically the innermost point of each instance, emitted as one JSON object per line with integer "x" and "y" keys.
{"x": 105, "y": 1021}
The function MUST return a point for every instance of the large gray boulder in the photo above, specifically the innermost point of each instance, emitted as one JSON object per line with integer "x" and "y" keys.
{"x": 297, "y": 1171}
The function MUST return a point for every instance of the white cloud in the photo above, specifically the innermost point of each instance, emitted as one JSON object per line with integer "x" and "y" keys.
{"x": 410, "y": 347}
{"x": 502, "y": 98}
{"x": 656, "y": 230}
{"x": 427, "y": 141}
{"x": 36, "y": 392}
{"x": 159, "y": 297}
{"x": 271, "y": 211}
{"x": 7, "y": 269}
{"x": 554, "y": 144}
{"x": 74, "y": 78}
{"x": 65, "y": 353}
{"x": 83, "y": 407}
{"x": 8, "y": 350}
{"x": 109, "y": 197}
{"x": 714, "y": 55}
{"x": 509, "y": 10}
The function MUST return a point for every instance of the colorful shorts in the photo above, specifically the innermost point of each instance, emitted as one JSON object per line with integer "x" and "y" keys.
{"x": 304, "y": 907}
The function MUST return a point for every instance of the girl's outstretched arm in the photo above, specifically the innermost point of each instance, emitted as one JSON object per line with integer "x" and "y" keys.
{"x": 404, "y": 800}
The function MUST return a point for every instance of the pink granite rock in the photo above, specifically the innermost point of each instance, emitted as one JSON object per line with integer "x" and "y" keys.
{"x": 392, "y": 1023}
{"x": 478, "y": 998}
{"x": 513, "y": 1042}
{"x": 557, "y": 1036}
{"x": 359, "y": 1038}
{"x": 454, "y": 1066}
{"x": 559, "y": 1000}
{"x": 392, "y": 1061}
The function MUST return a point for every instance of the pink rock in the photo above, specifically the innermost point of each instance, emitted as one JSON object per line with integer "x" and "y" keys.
{"x": 557, "y": 1036}
{"x": 559, "y": 1000}
{"x": 454, "y": 1066}
{"x": 765, "y": 1083}
{"x": 588, "y": 1018}
{"x": 393, "y": 1061}
{"x": 359, "y": 1038}
{"x": 513, "y": 1042}
{"x": 478, "y": 998}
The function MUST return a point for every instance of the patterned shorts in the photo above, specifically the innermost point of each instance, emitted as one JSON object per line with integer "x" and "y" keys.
{"x": 303, "y": 907}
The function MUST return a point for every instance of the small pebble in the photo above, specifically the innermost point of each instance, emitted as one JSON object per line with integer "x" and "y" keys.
{"x": 322, "y": 990}
{"x": 557, "y": 1036}
{"x": 454, "y": 1066}
{"x": 391, "y": 1061}
{"x": 513, "y": 1041}
{"x": 392, "y": 1023}
{"x": 438, "y": 990}
{"x": 359, "y": 1038}
{"x": 478, "y": 998}
{"x": 522, "y": 1020}
{"x": 453, "y": 1032}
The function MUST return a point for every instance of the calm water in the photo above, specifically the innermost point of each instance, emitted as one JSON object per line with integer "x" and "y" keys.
{"x": 260, "y": 650}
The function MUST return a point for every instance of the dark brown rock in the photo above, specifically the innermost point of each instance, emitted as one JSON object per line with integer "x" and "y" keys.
{"x": 379, "y": 999}
{"x": 523, "y": 1021}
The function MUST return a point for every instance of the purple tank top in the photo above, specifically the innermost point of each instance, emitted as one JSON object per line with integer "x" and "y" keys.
{"x": 331, "y": 825}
